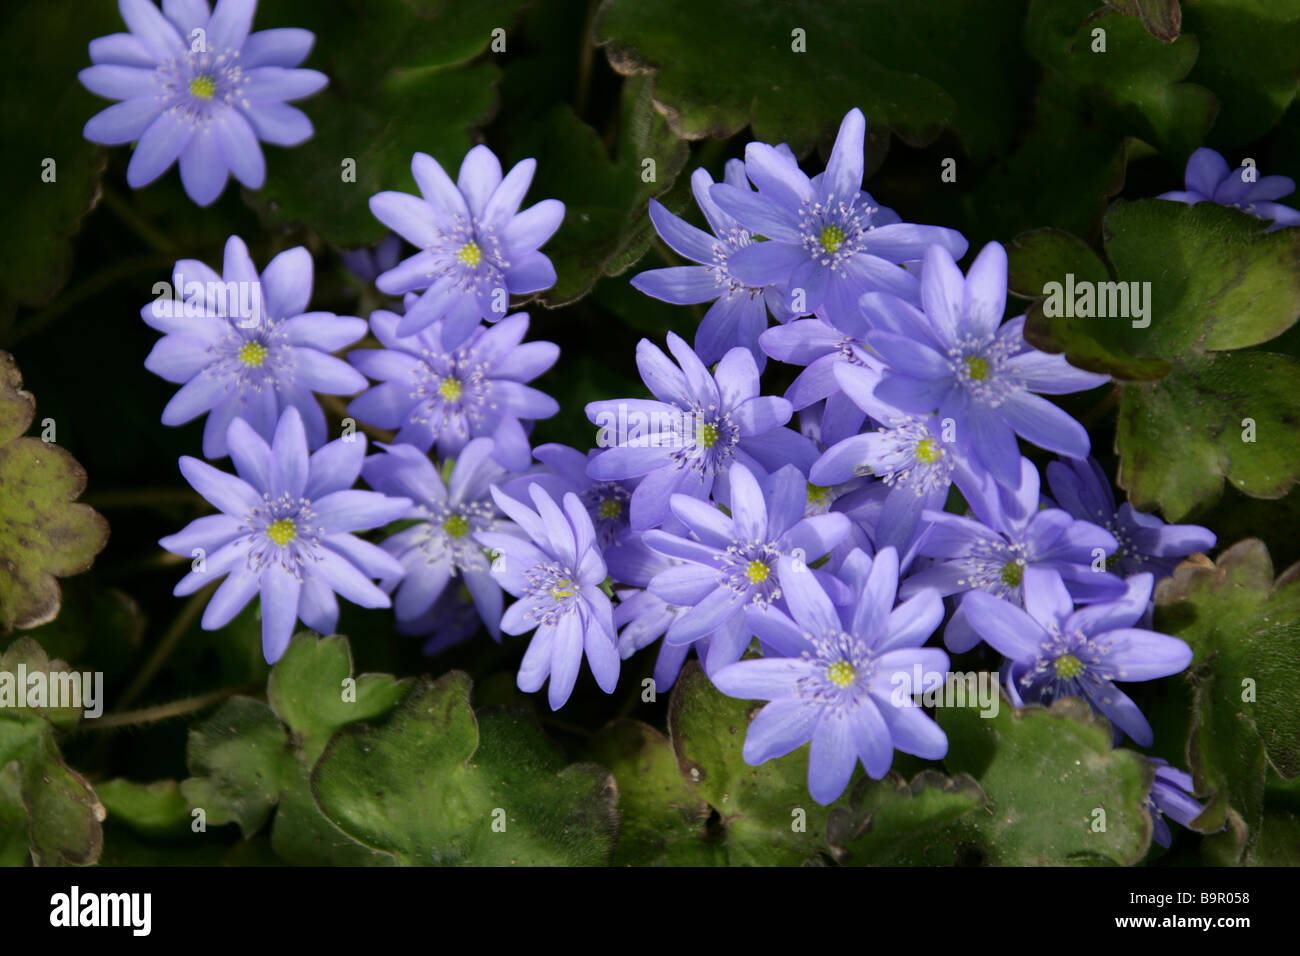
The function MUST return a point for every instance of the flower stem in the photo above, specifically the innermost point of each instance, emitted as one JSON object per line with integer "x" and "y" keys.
{"x": 175, "y": 708}
{"x": 168, "y": 643}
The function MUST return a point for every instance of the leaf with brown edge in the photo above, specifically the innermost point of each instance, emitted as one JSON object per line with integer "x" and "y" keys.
{"x": 44, "y": 533}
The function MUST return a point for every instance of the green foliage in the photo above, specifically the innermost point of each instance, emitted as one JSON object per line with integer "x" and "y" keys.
{"x": 405, "y": 77}
{"x": 39, "y": 792}
{"x": 1057, "y": 792}
{"x": 45, "y": 204}
{"x": 916, "y": 82}
{"x": 45, "y": 534}
{"x": 1214, "y": 281}
{"x": 1245, "y": 630}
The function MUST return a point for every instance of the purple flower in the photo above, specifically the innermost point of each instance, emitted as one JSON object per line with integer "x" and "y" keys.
{"x": 1210, "y": 180}
{"x": 826, "y": 237}
{"x": 1054, "y": 651}
{"x": 642, "y": 616}
{"x": 476, "y": 247}
{"x": 285, "y": 531}
{"x": 246, "y": 347}
{"x": 739, "y": 311}
{"x": 849, "y": 677}
{"x": 1145, "y": 542}
{"x": 441, "y": 547}
{"x": 557, "y": 577}
{"x": 698, "y": 426}
{"x": 958, "y": 358}
{"x": 821, "y": 348}
{"x": 1171, "y": 795}
{"x": 367, "y": 262}
{"x": 908, "y": 452}
{"x": 1008, "y": 537}
{"x": 436, "y": 393}
{"x": 729, "y": 562}
{"x": 200, "y": 88}
{"x": 606, "y": 501}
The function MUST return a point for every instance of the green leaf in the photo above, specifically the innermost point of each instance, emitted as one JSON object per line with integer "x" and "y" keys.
{"x": 1218, "y": 280}
{"x": 1179, "y": 438}
{"x": 45, "y": 111}
{"x": 434, "y": 784}
{"x": 240, "y": 761}
{"x": 1047, "y": 772}
{"x": 153, "y": 809}
{"x": 61, "y": 813}
{"x": 1042, "y": 256}
{"x": 1133, "y": 85}
{"x": 914, "y": 79}
{"x": 402, "y": 81}
{"x": 312, "y": 690}
{"x": 246, "y": 764}
{"x": 1244, "y": 628}
{"x": 663, "y": 817}
{"x": 891, "y": 822}
{"x": 1248, "y": 57}
{"x": 1211, "y": 280}
{"x": 767, "y": 815}
{"x": 45, "y": 534}
{"x": 606, "y": 226}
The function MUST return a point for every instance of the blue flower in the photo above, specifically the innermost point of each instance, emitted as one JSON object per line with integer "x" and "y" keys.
{"x": 848, "y": 679}
{"x": 642, "y": 616}
{"x": 557, "y": 577}
{"x": 1009, "y": 536}
{"x": 1171, "y": 796}
{"x": 959, "y": 359}
{"x": 200, "y": 88}
{"x": 441, "y": 548}
{"x": 1145, "y": 542}
{"x": 738, "y": 314}
{"x": 476, "y": 247}
{"x": 1054, "y": 651}
{"x": 729, "y": 562}
{"x": 1209, "y": 179}
{"x": 908, "y": 453}
{"x": 827, "y": 238}
{"x": 285, "y": 532}
{"x": 821, "y": 348}
{"x": 245, "y": 346}
{"x": 566, "y": 471}
{"x": 437, "y": 393}
{"x": 698, "y": 426}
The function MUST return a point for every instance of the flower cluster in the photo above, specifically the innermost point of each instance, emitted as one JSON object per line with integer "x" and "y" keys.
{"x": 804, "y": 545}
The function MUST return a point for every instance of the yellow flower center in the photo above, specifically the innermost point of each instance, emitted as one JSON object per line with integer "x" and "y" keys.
{"x": 610, "y": 508}
{"x": 977, "y": 367}
{"x": 832, "y": 238}
{"x": 757, "y": 572}
{"x": 817, "y": 495}
{"x": 470, "y": 254}
{"x": 708, "y": 435}
{"x": 203, "y": 87}
{"x": 562, "y": 588}
{"x": 928, "y": 451}
{"x": 253, "y": 354}
{"x": 1067, "y": 665}
{"x": 1013, "y": 573}
{"x": 450, "y": 389}
{"x": 281, "y": 531}
{"x": 841, "y": 673}
{"x": 456, "y": 526}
